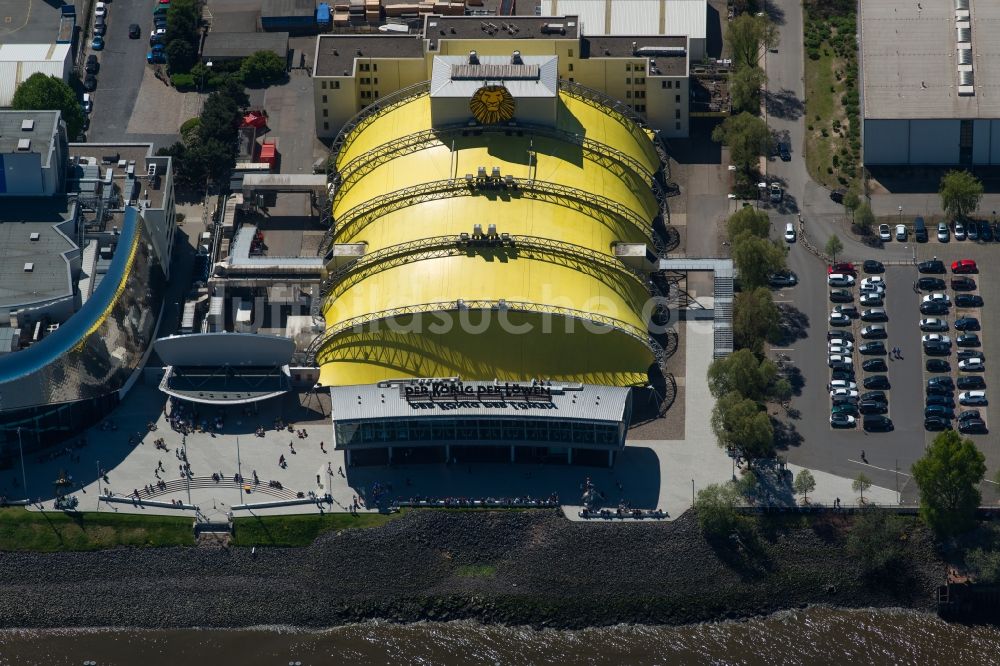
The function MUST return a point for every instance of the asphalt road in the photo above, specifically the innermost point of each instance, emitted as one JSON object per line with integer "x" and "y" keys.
{"x": 123, "y": 62}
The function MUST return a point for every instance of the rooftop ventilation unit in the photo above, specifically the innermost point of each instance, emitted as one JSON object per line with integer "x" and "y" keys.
{"x": 964, "y": 56}
{"x": 962, "y": 4}
{"x": 27, "y": 125}
{"x": 23, "y": 145}
{"x": 29, "y": 267}
{"x": 963, "y": 33}
{"x": 965, "y": 77}
{"x": 34, "y": 236}
{"x": 473, "y": 58}
{"x": 553, "y": 29}
{"x": 515, "y": 58}
{"x": 961, "y": 15}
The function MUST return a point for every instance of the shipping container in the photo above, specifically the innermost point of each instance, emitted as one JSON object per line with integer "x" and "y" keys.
{"x": 67, "y": 25}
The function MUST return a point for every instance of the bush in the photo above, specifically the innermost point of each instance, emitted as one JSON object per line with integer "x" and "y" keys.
{"x": 716, "y": 509}
{"x": 262, "y": 69}
{"x": 182, "y": 81}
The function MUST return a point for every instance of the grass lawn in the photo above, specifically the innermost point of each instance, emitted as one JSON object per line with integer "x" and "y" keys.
{"x": 820, "y": 103}
{"x": 293, "y": 531}
{"x": 477, "y": 571}
{"x": 21, "y": 529}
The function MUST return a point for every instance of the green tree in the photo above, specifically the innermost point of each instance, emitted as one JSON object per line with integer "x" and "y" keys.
{"x": 181, "y": 56}
{"x": 262, "y": 69}
{"x": 804, "y": 484}
{"x": 748, "y": 220}
{"x": 756, "y": 258}
{"x": 948, "y": 477}
{"x": 190, "y": 130}
{"x": 851, "y": 202}
{"x": 49, "y": 93}
{"x": 833, "y": 247}
{"x": 746, "y": 35}
{"x": 984, "y": 565}
{"x": 960, "y": 193}
{"x": 876, "y": 539}
{"x": 743, "y": 373}
{"x": 747, "y": 138}
{"x": 861, "y": 484}
{"x": 864, "y": 218}
{"x": 715, "y": 507}
{"x": 742, "y": 425}
{"x": 745, "y": 85}
{"x": 755, "y": 319}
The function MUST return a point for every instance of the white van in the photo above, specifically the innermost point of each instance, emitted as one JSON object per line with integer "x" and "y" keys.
{"x": 88, "y": 103}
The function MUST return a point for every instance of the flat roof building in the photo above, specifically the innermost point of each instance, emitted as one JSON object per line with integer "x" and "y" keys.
{"x": 32, "y": 153}
{"x": 648, "y": 73}
{"x": 221, "y": 46}
{"x": 20, "y": 61}
{"x": 930, "y": 82}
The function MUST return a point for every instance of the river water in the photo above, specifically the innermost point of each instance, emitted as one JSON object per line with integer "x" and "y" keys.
{"x": 812, "y": 636}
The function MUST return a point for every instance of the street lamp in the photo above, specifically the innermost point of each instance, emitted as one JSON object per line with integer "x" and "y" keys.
{"x": 900, "y": 215}
{"x": 761, "y": 190}
{"x": 187, "y": 477}
{"x": 24, "y": 477}
{"x": 209, "y": 66}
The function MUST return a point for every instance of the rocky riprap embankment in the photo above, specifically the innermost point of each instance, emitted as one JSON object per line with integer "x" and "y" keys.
{"x": 548, "y": 572}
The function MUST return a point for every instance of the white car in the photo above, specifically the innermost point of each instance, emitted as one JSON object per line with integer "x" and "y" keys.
{"x": 959, "y": 231}
{"x": 842, "y": 384}
{"x": 839, "y": 319}
{"x": 884, "y": 234}
{"x": 88, "y": 103}
{"x": 843, "y": 393}
{"x": 790, "y": 232}
{"x": 974, "y": 398}
{"x": 943, "y": 233}
{"x": 874, "y": 281}
{"x": 834, "y": 359}
{"x": 901, "y": 232}
{"x": 838, "y": 350}
{"x": 936, "y": 337}
{"x": 871, "y": 298}
{"x": 101, "y": 9}
{"x": 840, "y": 280}
{"x": 971, "y": 365}
{"x": 937, "y": 298}
{"x": 838, "y": 342}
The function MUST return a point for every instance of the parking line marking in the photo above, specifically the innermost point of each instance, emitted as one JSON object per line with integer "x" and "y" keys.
{"x": 876, "y": 467}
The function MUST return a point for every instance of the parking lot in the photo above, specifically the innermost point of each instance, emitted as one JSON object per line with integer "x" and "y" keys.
{"x": 807, "y": 436}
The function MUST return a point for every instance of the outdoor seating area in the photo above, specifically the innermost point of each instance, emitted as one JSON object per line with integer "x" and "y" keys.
{"x": 481, "y": 502}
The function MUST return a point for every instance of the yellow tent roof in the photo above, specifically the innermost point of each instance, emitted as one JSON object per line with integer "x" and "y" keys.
{"x": 562, "y": 268}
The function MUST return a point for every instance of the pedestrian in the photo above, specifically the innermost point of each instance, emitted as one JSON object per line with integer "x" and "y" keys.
{"x": 321, "y": 448}
{"x": 340, "y": 471}
{"x": 863, "y": 455}
{"x": 291, "y": 447}
{"x": 329, "y": 468}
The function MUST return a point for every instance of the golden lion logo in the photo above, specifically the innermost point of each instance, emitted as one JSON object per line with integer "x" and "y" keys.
{"x": 492, "y": 104}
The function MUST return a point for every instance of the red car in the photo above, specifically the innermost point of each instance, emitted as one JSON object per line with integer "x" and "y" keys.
{"x": 842, "y": 267}
{"x": 964, "y": 266}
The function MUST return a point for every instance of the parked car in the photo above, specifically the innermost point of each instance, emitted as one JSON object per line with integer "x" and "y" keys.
{"x": 937, "y": 297}
{"x": 973, "y": 398}
{"x": 100, "y": 9}
{"x": 943, "y": 233}
{"x": 919, "y": 230}
{"x": 871, "y": 299}
{"x": 835, "y": 360}
{"x": 963, "y": 284}
{"x": 100, "y": 28}
{"x": 848, "y": 310}
{"x": 875, "y": 395}
{"x": 901, "y": 232}
{"x": 968, "y": 340}
{"x": 874, "y": 314}
{"x": 842, "y": 420}
{"x": 931, "y": 308}
{"x": 785, "y": 151}
{"x": 936, "y": 423}
{"x": 783, "y": 279}
{"x": 872, "y": 266}
{"x": 873, "y": 281}
{"x": 841, "y": 296}
{"x": 969, "y": 414}
{"x": 935, "y": 337}
{"x": 876, "y": 348}
{"x": 789, "y": 232}
{"x": 972, "y": 427}
{"x": 134, "y": 31}
{"x": 842, "y": 384}
{"x": 90, "y": 83}
{"x": 87, "y": 104}
{"x": 966, "y": 324}
{"x": 873, "y": 407}
{"x": 837, "y": 195}
{"x": 156, "y": 57}
{"x": 840, "y": 335}
{"x": 93, "y": 65}
{"x": 940, "y": 399}
{"x": 964, "y": 266}
{"x": 157, "y": 36}
{"x": 971, "y": 365}
{"x": 844, "y": 267}
{"x": 877, "y": 423}
{"x": 836, "y": 350}
{"x": 884, "y": 233}
{"x": 849, "y": 408}
{"x": 97, "y": 43}
{"x": 935, "y": 389}
{"x": 839, "y": 342}
{"x": 874, "y": 365}
{"x": 931, "y": 266}
{"x": 929, "y": 283}
{"x": 775, "y": 193}
{"x": 996, "y": 231}
{"x": 945, "y": 382}
{"x": 874, "y": 333}
{"x": 939, "y": 410}
{"x": 985, "y": 232}
{"x": 880, "y": 382}
{"x": 970, "y": 382}
{"x": 839, "y": 319}
{"x": 937, "y": 365}
{"x": 933, "y": 325}
{"x": 844, "y": 393}
{"x": 964, "y": 354}
{"x": 972, "y": 231}
{"x": 969, "y": 301}
{"x": 846, "y": 374}
{"x": 959, "y": 231}
{"x": 937, "y": 349}
{"x": 840, "y": 280}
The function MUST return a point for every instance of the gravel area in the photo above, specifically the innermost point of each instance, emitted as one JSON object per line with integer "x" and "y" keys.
{"x": 518, "y": 567}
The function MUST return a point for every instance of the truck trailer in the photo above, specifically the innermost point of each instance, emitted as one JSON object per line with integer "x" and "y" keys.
{"x": 67, "y": 25}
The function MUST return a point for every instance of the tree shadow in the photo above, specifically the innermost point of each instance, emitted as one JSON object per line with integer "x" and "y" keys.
{"x": 795, "y": 378}
{"x": 783, "y": 104}
{"x": 793, "y": 324}
{"x": 786, "y": 435}
{"x": 776, "y": 14}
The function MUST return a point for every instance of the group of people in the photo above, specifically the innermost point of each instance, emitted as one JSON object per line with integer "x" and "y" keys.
{"x": 622, "y": 512}
{"x": 526, "y": 501}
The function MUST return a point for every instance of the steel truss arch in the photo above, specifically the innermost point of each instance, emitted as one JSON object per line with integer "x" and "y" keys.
{"x": 595, "y": 264}
{"x": 592, "y": 318}
{"x": 366, "y": 116}
{"x": 621, "y": 112}
{"x": 593, "y": 205}
{"x": 626, "y": 167}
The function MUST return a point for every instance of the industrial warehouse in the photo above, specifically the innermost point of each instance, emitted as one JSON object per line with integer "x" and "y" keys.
{"x": 488, "y": 288}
